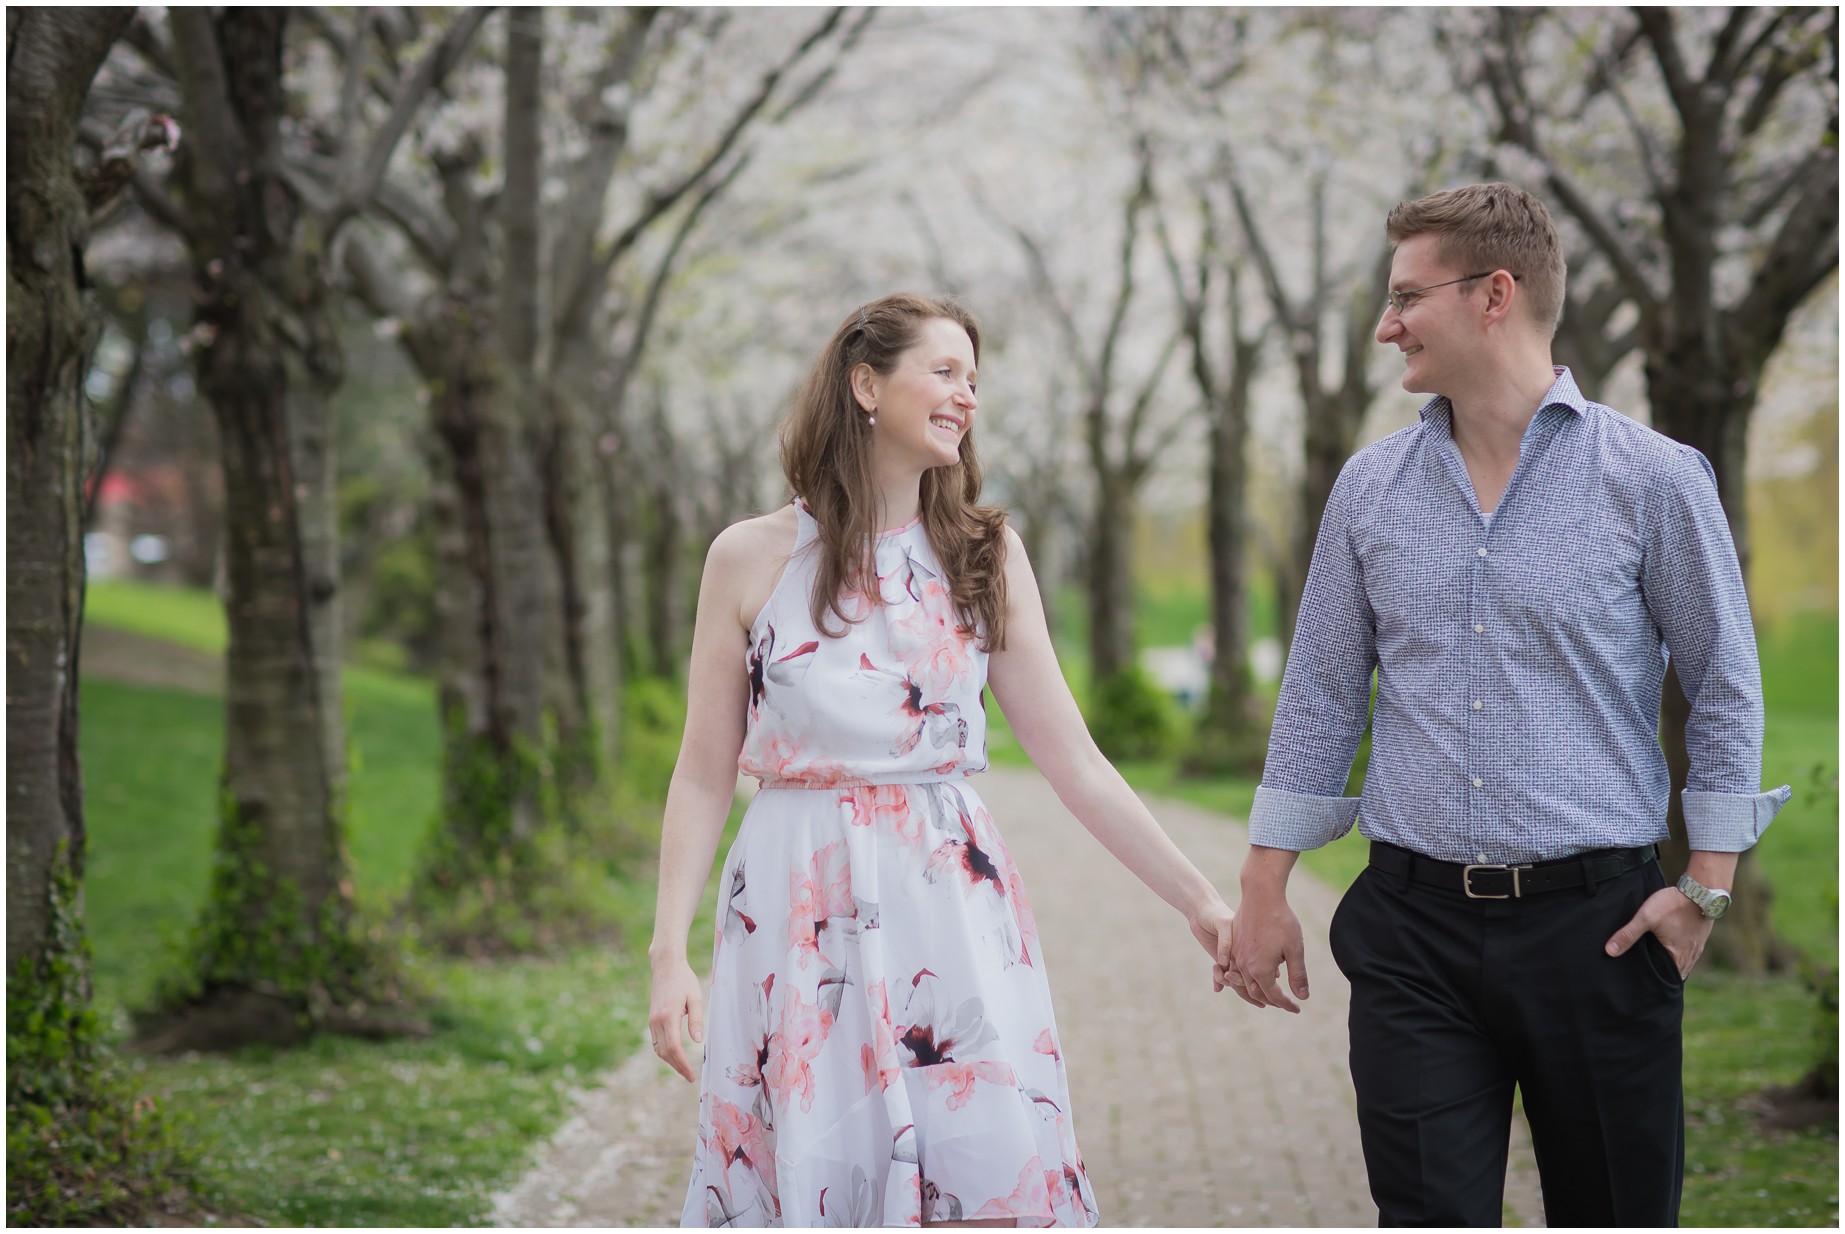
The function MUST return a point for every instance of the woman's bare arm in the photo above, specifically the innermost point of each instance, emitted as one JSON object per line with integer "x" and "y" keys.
{"x": 740, "y": 571}
{"x": 1031, "y": 690}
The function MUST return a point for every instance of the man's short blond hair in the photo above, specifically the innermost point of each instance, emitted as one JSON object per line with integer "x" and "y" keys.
{"x": 1486, "y": 227}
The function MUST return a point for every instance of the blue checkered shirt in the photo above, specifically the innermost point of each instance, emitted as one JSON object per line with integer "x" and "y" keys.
{"x": 1519, "y": 657}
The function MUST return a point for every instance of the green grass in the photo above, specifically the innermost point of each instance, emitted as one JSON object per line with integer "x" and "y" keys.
{"x": 151, "y": 761}
{"x": 179, "y": 615}
{"x": 1742, "y": 1036}
{"x": 342, "y": 1132}
{"x": 339, "y": 1131}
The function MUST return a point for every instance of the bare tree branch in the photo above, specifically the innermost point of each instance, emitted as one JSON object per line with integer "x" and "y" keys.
{"x": 1661, "y": 29}
{"x": 607, "y": 107}
{"x": 819, "y": 82}
{"x": 1782, "y": 68}
{"x": 376, "y": 281}
{"x": 1514, "y": 106}
{"x": 662, "y": 200}
{"x": 207, "y": 108}
{"x": 1607, "y": 76}
{"x": 1724, "y": 67}
{"x": 429, "y": 232}
{"x": 1041, "y": 280}
{"x": 361, "y": 179}
{"x": 354, "y": 49}
{"x": 1137, "y": 203}
{"x": 656, "y": 286}
{"x": 155, "y": 47}
{"x": 1803, "y": 254}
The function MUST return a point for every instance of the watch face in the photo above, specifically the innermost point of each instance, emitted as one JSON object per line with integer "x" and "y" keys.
{"x": 1718, "y": 905}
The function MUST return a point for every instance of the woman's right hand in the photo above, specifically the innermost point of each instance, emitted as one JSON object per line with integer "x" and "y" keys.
{"x": 676, "y": 999}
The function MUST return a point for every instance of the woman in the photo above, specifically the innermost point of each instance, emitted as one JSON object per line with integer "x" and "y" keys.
{"x": 880, "y": 1048}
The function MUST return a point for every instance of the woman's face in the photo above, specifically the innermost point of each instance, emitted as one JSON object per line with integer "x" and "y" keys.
{"x": 925, "y": 404}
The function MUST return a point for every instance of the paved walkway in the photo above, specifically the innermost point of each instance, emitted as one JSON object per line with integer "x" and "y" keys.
{"x": 1193, "y": 1109}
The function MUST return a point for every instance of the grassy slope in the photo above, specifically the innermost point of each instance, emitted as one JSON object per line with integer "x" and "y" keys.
{"x": 340, "y": 1132}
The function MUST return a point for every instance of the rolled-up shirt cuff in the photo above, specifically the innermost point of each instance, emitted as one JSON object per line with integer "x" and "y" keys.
{"x": 1720, "y": 822}
{"x": 1299, "y": 821}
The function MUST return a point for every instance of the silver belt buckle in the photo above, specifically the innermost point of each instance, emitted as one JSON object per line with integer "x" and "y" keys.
{"x": 1467, "y": 880}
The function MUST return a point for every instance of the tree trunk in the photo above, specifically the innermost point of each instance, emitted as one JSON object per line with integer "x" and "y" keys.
{"x": 1332, "y": 421}
{"x": 1111, "y": 576}
{"x": 1233, "y": 735}
{"x": 274, "y": 950}
{"x": 665, "y": 550}
{"x": 52, "y": 55}
{"x": 75, "y": 1132}
{"x": 1699, "y": 404}
{"x": 620, "y": 492}
{"x": 493, "y": 593}
{"x": 1038, "y": 535}
{"x": 588, "y": 695}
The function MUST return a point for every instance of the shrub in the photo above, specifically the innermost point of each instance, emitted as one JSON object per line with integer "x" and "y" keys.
{"x": 1132, "y": 719}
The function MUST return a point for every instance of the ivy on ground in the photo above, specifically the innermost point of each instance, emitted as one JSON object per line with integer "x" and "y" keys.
{"x": 258, "y": 932}
{"x": 488, "y": 885}
{"x": 83, "y": 1147}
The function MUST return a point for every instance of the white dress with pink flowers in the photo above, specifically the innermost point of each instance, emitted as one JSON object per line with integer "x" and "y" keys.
{"x": 879, "y": 1044}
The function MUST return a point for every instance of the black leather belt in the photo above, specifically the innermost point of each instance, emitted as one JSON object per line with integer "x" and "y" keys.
{"x": 1502, "y": 881}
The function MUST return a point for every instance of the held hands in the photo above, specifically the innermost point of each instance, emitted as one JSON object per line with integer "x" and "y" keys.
{"x": 1671, "y": 917}
{"x": 676, "y": 997}
{"x": 1267, "y": 935}
{"x": 1211, "y": 924}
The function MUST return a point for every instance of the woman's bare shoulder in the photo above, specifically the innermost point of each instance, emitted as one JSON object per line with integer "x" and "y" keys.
{"x": 746, "y": 559}
{"x": 750, "y": 541}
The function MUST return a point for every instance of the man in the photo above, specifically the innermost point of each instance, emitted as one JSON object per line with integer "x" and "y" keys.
{"x": 1512, "y": 568}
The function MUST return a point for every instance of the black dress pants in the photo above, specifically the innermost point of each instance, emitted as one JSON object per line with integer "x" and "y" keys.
{"x": 1456, "y": 1000}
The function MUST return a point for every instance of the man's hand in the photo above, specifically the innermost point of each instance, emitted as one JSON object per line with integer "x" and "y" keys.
{"x": 1266, "y": 935}
{"x": 1669, "y": 915}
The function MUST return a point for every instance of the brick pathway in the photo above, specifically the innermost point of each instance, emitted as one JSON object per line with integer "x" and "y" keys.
{"x": 1193, "y": 1109}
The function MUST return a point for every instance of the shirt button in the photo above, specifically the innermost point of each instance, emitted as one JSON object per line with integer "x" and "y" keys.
{"x": 1477, "y": 704}
{"x": 1479, "y": 783}
{"x": 1479, "y": 629}
{"x": 1481, "y": 550}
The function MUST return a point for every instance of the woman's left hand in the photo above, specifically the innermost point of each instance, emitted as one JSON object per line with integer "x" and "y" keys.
{"x": 1211, "y": 924}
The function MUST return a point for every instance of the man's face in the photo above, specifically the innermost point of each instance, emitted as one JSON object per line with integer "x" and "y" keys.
{"x": 1438, "y": 331}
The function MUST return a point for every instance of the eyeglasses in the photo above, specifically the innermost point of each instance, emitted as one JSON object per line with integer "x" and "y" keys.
{"x": 1400, "y": 300}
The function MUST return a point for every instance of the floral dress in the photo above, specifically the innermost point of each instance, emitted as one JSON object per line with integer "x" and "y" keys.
{"x": 879, "y": 1045}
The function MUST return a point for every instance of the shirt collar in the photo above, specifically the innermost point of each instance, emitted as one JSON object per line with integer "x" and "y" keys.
{"x": 1562, "y": 393}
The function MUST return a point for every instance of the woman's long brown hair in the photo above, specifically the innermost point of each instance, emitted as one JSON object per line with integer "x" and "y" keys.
{"x": 826, "y": 453}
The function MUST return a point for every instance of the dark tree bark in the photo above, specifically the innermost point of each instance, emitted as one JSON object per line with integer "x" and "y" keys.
{"x": 1707, "y": 339}
{"x": 268, "y": 367}
{"x": 52, "y": 55}
{"x": 78, "y": 1149}
{"x": 275, "y": 950}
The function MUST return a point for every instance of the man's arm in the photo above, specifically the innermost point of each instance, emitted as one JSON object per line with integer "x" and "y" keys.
{"x": 1693, "y": 587}
{"x": 1319, "y": 719}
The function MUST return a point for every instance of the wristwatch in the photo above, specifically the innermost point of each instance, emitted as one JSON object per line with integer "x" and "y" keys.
{"x": 1713, "y": 902}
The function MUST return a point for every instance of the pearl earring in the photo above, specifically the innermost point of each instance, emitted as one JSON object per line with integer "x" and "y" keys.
{"x": 871, "y": 417}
